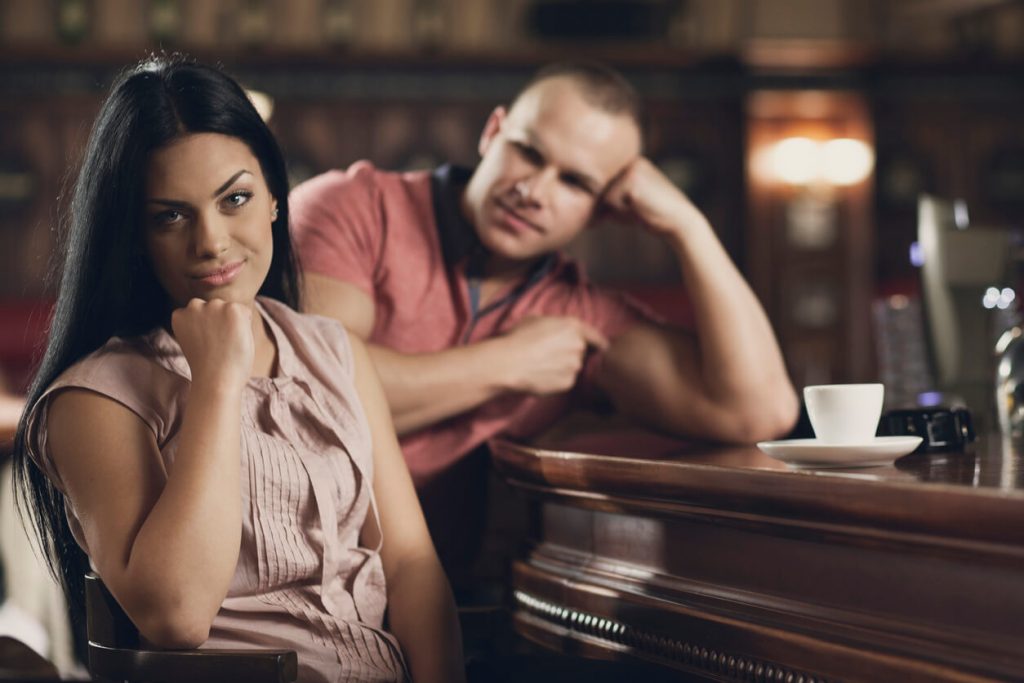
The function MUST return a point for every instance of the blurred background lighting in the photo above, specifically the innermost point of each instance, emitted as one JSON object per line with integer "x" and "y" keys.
{"x": 802, "y": 161}
{"x": 916, "y": 254}
{"x": 990, "y": 298}
{"x": 846, "y": 161}
{"x": 796, "y": 160}
{"x": 998, "y": 298}
{"x": 263, "y": 103}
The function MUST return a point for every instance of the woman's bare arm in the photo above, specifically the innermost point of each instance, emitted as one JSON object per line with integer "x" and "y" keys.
{"x": 165, "y": 542}
{"x": 420, "y": 604}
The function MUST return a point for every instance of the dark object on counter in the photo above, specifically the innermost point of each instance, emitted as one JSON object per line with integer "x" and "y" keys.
{"x": 609, "y": 19}
{"x": 802, "y": 429}
{"x": 942, "y": 429}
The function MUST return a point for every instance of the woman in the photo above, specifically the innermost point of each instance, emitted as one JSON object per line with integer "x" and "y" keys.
{"x": 228, "y": 465}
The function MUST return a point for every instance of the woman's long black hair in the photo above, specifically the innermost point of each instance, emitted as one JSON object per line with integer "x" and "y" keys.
{"x": 107, "y": 287}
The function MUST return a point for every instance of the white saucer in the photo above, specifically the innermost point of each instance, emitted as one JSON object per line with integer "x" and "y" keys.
{"x": 805, "y": 452}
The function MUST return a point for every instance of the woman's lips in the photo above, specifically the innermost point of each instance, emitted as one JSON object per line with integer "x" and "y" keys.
{"x": 221, "y": 276}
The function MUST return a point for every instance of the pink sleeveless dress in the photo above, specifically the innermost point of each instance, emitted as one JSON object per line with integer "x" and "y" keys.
{"x": 303, "y": 581}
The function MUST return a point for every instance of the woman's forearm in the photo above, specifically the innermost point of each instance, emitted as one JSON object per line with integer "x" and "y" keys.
{"x": 184, "y": 556}
{"x": 422, "y": 616}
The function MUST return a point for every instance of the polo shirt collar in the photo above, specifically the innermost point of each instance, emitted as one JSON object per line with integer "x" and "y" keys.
{"x": 458, "y": 238}
{"x": 459, "y": 242}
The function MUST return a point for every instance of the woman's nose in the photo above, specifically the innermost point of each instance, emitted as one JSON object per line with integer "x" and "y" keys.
{"x": 210, "y": 236}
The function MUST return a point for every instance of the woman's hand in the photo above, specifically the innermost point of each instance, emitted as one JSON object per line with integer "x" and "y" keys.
{"x": 216, "y": 338}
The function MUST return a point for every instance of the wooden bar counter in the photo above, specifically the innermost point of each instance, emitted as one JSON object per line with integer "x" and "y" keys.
{"x": 727, "y": 563}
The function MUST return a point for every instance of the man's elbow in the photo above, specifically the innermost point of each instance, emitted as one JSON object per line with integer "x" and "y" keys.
{"x": 765, "y": 421}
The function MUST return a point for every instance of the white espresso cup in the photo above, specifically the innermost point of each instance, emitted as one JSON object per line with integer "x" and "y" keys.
{"x": 844, "y": 414}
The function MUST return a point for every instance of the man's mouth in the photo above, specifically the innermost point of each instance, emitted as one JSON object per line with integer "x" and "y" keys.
{"x": 511, "y": 219}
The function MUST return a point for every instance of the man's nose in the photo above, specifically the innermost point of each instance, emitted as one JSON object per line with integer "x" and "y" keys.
{"x": 535, "y": 189}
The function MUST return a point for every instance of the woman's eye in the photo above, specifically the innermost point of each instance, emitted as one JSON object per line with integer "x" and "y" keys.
{"x": 237, "y": 199}
{"x": 167, "y": 217}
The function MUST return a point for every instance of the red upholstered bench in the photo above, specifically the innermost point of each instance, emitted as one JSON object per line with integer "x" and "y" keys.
{"x": 23, "y": 327}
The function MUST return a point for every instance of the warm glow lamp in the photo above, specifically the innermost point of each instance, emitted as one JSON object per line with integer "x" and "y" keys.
{"x": 803, "y": 161}
{"x": 796, "y": 160}
{"x": 846, "y": 161}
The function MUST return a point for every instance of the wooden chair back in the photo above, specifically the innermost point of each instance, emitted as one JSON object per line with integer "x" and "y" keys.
{"x": 115, "y": 653}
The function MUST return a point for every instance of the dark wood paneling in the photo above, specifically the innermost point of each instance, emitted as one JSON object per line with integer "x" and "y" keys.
{"x": 399, "y": 113}
{"x": 716, "y": 561}
{"x": 45, "y": 138}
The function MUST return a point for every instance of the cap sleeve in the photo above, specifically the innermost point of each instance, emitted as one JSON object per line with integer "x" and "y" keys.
{"x": 612, "y": 313}
{"x": 120, "y": 371}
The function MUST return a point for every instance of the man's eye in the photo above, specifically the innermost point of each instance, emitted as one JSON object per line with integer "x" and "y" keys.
{"x": 528, "y": 153}
{"x": 576, "y": 184}
{"x": 237, "y": 199}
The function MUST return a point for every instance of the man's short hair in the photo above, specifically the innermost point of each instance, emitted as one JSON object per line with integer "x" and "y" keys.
{"x": 601, "y": 86}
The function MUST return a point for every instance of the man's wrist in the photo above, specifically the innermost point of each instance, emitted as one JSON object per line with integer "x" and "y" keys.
{"x": 689, "y": 225}
{"x": 501, "y": 373}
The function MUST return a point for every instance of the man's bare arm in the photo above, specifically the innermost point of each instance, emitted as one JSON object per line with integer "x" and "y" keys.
{"x": 727, "y": 381}
{"x": 540, "y": 356}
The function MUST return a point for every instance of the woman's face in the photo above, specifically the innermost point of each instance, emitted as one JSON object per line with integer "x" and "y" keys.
{"x": 208, "y": 215}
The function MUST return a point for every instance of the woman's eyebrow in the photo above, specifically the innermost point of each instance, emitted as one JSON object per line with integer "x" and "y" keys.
{"x": 178, "y": 204}
{"x": 167, "y": 202}
{"x": 230, "y": 180}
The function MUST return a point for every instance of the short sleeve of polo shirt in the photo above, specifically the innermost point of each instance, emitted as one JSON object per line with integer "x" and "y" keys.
{"x": 337, "y": 225}
{"x": 612, "y": 313}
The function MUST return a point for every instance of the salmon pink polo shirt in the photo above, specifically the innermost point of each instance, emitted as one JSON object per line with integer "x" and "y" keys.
{"x": 402, "y": 239}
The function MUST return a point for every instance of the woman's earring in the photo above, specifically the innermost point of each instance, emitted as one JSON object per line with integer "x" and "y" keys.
{"x": 273, "y": 216}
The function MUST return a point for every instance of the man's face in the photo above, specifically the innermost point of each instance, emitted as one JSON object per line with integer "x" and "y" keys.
{"x": 545, "y": 166}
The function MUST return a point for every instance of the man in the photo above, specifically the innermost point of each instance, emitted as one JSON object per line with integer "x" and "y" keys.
{"x": 479, "y": 326}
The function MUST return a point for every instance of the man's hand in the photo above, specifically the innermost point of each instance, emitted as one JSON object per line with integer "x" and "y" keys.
{"x": 643, "y": 194}
{"x": 545, "y": 354}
